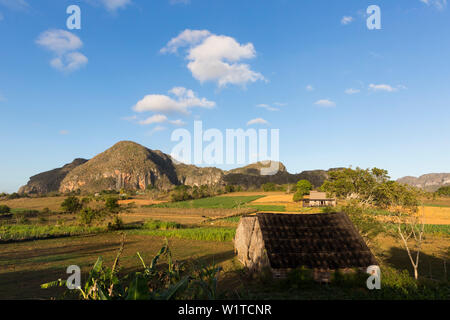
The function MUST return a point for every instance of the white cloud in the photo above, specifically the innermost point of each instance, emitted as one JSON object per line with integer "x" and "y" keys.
{"x": 15, "y": 4}
{"x": 59, "y": 41}
{"x": 182, "y": 101}
{"x": 382, "y": 87}
{"x": 215, "y": 57}
{"x": 157, "y": 129}
{"x": 352, "y": 91}
{"x": 439, "y": 4}
{"x": 157, "y": 118}
{"x": 280, "y": 104}
{"x": 69, "y": 62}
{"x": 257, "y": 121}
{"x": 64, "y": 45}
{"x": 346, "y": 20}
{"x": 178, "y": 122}
{"x": 267, "y": 107}
{"x": 309, "y": 88}
{"x": 113, "y": 5}
{"x": 325, "y": 103}
{"x": 186, "y": 38}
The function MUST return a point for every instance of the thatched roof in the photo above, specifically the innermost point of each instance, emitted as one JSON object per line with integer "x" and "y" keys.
{"x": 324, "y": 241}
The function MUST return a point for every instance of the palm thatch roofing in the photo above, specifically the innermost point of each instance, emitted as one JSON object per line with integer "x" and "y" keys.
{"x": 317, "y": 241}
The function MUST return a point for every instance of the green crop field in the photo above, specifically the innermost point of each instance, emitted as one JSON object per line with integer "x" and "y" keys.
{"x": 210, "y": 203}
{"x": 268, "y": 207}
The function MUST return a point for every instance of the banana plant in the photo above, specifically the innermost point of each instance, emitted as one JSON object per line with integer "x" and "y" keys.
{"x": 105, "y": 284}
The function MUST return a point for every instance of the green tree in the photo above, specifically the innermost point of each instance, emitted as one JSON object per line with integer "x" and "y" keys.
{"x": 71, "y": 205}
{"x": 269, "y": 186}
{"x": 443, "y": 191}
{"x": 112, "y": 204}
{"x": 303, "y": 188}
{"x": 4, "y": 209}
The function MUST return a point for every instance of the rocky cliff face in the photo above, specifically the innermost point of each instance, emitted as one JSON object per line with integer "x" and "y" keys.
{"x": 128, "y": 165}
{"x": 49, "y": 181}
{"x": 429, "y": 182}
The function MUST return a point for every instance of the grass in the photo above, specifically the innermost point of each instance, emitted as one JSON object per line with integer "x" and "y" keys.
{"x": 25, "y": 266}
{"x": 203, "y": 234}
{"x": 436, "y": 205}
{"x": 160, "y": 225}
{"x": 20, "y": 232}
{"x": 210, "y": 203}
{"x": 268, "y": 207}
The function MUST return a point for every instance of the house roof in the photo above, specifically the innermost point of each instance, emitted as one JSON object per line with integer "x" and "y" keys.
{"x": 325, "y": 241}
{"x": 315, "y": 195}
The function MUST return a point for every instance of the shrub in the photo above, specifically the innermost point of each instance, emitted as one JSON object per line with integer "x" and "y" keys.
{"x": 117, "y": 224}
{"x": 160, "y": 225}
{"x": 88, "y": 216}
{"x": 71, "y": 205}
{"x": 269, "y": 187}
{"x": 443, "y": 191}
{"x": 13, "y": 196}
{"x": 112, "y": 204}
{"x": 4, "y": 209}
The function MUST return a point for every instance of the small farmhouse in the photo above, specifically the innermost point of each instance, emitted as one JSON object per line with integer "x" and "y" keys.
{"x": 320, "y": 242}
{"x": 318, "y": 199}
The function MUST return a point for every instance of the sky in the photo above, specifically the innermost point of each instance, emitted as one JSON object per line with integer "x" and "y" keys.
{"x": 340, "y": 94}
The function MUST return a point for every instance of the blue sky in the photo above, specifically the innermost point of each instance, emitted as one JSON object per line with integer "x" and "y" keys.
{"x": 344, "y": 95}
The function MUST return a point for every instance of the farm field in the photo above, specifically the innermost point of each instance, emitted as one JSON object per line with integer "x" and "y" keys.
{"x": 24, "y": 266}
{"x": 202, "y": 231}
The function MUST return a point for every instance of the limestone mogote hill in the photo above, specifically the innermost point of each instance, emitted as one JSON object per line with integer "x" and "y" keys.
{"x": 131, "y": 166}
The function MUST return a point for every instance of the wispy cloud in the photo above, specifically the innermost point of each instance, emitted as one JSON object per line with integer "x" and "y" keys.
{"x": 114, "y": 5}
{"x": 215, "y": 58}
{"x": 438, "y": 4}
{"x": 382, "y": 87}
{"x": 17, "y": 5}
{"x": 64, "y": 132}
{"x": 352, "y": 91}
{"x": 157, "y": 118}
{"x": 257, "y": 121}
{"x": 325, "y": 103}
{"x": 177, "y": 122}
{"x": 346, "y": 20}
{"x": 267, "y": 107}
{"x": 183, "y": 99}
{"x": 1, "y": 16}
{"x": 309, "y": 88}
{"x": 64, "y": 45}
{"x": 156, "y": 129}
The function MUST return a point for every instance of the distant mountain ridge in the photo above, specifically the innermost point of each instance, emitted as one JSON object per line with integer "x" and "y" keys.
{"x": 49, "y": 181}
{"x": 129, "y": 165}
{"x": 429, "y": 182}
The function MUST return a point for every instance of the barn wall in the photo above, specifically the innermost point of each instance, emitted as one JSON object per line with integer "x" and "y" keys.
{"x": 249, "y": 244}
